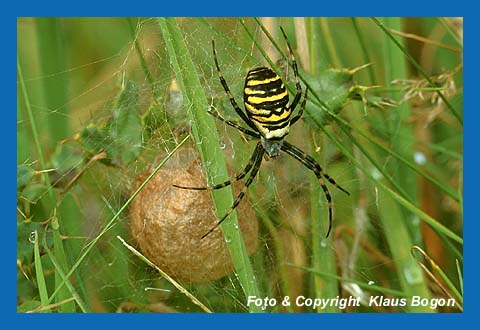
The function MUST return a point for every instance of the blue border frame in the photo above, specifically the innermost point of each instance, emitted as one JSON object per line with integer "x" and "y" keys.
{"x": 218, "y": 8}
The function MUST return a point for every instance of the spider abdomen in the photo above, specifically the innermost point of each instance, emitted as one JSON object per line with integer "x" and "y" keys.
{"x": 266, "y": 99}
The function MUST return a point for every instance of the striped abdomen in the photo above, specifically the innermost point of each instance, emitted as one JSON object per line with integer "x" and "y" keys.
{"x": 266, "y": 100}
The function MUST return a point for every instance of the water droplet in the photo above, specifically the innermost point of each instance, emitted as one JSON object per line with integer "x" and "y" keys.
{"x": 376, "y": 174}
{"x": 415, "y": 220}
{"x": 323, "y": 243}
{"x": 419, "y": 158}
{"x": 228, "y": 239}
{"x": 354, "y": 289}
{"x": 371, "y": 282}
{"x": 413, "y": 274}
{"x": 149, "y": 288}
{"x": 222, "y": 145}
{"x": 31, "y": 238}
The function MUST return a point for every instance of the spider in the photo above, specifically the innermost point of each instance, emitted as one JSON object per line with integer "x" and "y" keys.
{"x": 269, "y": 118}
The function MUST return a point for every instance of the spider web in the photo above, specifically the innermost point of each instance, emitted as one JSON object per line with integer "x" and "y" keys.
{"x": 113, "y": 278}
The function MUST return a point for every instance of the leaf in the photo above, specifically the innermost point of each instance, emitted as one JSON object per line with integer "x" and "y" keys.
{"x": 66, "y": 161}
{"x": 32, "y": 193}
{"x": 29, "y": 306}
{"x": 333, "y": 88}
{"x": 24, "y": 175}
{"x": 125, "y": 128}
{"x": 121, "y": 137}
{"x": 24, "y": 246}
{"x": 66, "y": 157}
{"x": 25, "y": 230}
{"x": 95, "y": 140}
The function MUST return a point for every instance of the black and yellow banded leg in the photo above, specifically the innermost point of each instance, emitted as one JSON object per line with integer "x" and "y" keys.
{"x": 317, "y": 170}
{"x": 253, "y": 174}
{"x": 298, "y": 95}
{"x": 229, "y": 93}
{"x": 238, "y": 177}
{"x": 308, "y": 159}
{"x": 300, "y": 112}
{"x": 301, "y": 158}
{"x": 234, "y": 125}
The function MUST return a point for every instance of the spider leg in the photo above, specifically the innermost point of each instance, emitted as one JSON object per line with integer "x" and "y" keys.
{"x": 234, "y": 125}
{"x": 236, "y": 178}
{"x": 310, "y": 163}
{"x": 314, "y": 164}
{"x": 253, "y": 174}
{"x": 300, "y": 112}
{"x": 229, "y": 94}
{"x": 295, "y": 72}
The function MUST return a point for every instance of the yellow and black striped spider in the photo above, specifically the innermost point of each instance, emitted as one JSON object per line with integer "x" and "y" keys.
{"x": 269, "y": 117}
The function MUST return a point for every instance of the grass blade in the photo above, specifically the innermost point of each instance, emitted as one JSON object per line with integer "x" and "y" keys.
{"x": 363, "y": 46}
{"x": 401, "y": 136}
{"x": 206, "y": 137}
{"x": 422, "y": 215}
{"x": 165, "y": 275}
{"x": 58, "y": 244}
{"x": 42, "y": 286}
{"x": 52, "y": 65}
{"x": 75, "y": 296}
{"x": 349, "y": 280}
{"x": 323, "y": 258}
{"x": 435, "y": 267}
{"x": 143, "y": 62}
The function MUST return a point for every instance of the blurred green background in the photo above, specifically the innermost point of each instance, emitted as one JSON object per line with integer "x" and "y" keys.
{"x": 101, "y": 100}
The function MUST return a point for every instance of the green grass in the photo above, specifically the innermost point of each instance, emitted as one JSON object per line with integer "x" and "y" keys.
{"x": 206, "y": 136}
{"x": 124, "y": 96}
